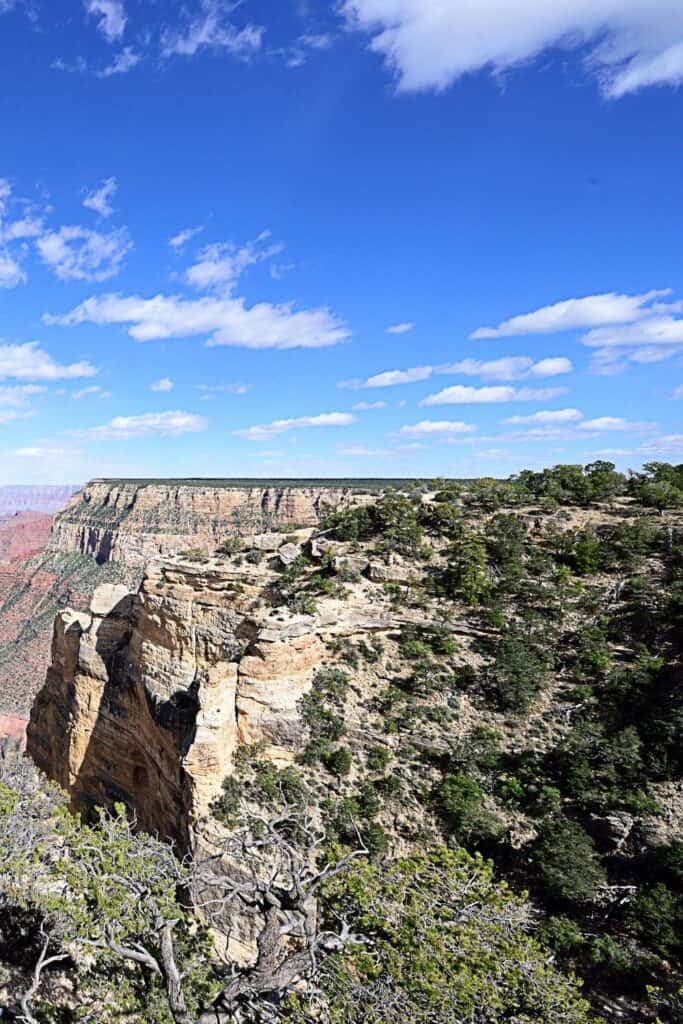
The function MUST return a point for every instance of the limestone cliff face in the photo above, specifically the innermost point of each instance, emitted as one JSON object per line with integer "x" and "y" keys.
{"x": 149, "y": 694}
{"x": 131, "y": 522}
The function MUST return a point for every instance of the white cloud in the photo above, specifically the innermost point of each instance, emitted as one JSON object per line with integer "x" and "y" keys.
{"x": 221, "y": 264}
{"x": 226, "y": 320}
{"x": 11, "y": 272}
{"x": 507, "y": 368}
{"x": 591, "y": 311}
{"x": 265, "y": 431}
{"x": 390, "y": 378}
{"x": 30, "y": 362}
{"x": 78, "y": 254}
{"x": 605, "y": 423}
{"x": 94, "y": 389}
{"x": 368, "y": 406}
{"x": 625, "y": 44}
{"x": 111, "y": 17}
{"x": 663, "y": 444}
{"x": 150, "y": 424}
{"x": 429, "y": 427}
{"x": 179, "y": 241}
{"x": 165, "y": 384}
{"x": 460, "y": 394}
{"x": 655, "y": 331}
{"x": 210, "y": 30}
{"x": 400, "y": 328}
{"x": 18, "y": 230}
{"x": 122, "y": 63}
{"x": 678, "y": 392}
{"x": 100, "y": 199}
{"x": 548, "y": 416}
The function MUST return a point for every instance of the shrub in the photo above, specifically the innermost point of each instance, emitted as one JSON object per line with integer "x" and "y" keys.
{"x": 443, "y": 942}
{"x": 378, "y": 758}
{"x": 460, "y": 801}
{"x": 567, "y": 862}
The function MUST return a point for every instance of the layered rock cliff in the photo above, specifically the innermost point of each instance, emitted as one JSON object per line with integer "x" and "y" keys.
{"x": 150, "y": 694}
{"x": 109, "y": 532}
{"x": 125, "y": 521}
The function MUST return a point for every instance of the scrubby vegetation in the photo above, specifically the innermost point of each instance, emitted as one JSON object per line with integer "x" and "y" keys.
{"x": 487, "y": 800}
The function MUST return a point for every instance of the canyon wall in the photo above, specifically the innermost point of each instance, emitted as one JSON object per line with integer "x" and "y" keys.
{"x": 149, "y": 694}
{"x": 134, "y": 522}
{"x": 108, "y": 533}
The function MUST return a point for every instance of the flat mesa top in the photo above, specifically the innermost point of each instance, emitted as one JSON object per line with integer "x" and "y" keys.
{"x": 354, "y": 483}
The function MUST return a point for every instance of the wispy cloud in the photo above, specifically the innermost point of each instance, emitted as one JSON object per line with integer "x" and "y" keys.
{"x": 99, "y": 200}
{"x": 111, "y": 17}
{"x": 164, "y": 385}
{"x": 150, "y": 424}
{"x": 402, "y": 328}
{"x": 11, "y": 271}
{"x": 180, "y": 240}
{"x": 610, "y": 423}
{"x": 460, "y": 394}
{"x": 368, "y": 406}
{"x": 551, "y": 416}
{"x": 30, "y": 362}
{"x": 94, "y": 389}
{"x": 220, "y": 265}
{"x": 211, "y": 30}
{"x": 429, "y": 428}
{"x": 79, "y": 254}
{"x": 122, "y": 63}
{"x": 227, "y": 321}
{"x": 570, "y": 314}
{"x": 506, "y": 368}
{"x": 266, "y": 431}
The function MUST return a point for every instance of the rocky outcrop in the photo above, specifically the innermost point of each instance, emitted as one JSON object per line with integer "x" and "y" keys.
{"x": 109, "y": 532}
{"x": 131, "y": 522}
{"x": 150, "y": 694}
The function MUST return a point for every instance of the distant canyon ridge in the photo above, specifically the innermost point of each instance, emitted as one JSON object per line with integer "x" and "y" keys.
{"x": 108, "y": 532}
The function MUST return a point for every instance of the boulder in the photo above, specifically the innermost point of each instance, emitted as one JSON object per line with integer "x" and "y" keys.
{"x": 288, "y": 554}
{"x": 269, "y": 542}
{"x": 381, "y": 573}
{"x": 350, "y": 563}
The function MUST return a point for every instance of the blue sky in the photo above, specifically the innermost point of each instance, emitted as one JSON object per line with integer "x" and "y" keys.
{"x": 372, "y": 237}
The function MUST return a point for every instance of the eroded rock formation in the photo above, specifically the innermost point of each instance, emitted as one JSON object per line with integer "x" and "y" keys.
{"x": 149, "y": 694}
{"x": 125, "y": 521}
{"x": 108, "y": 533}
